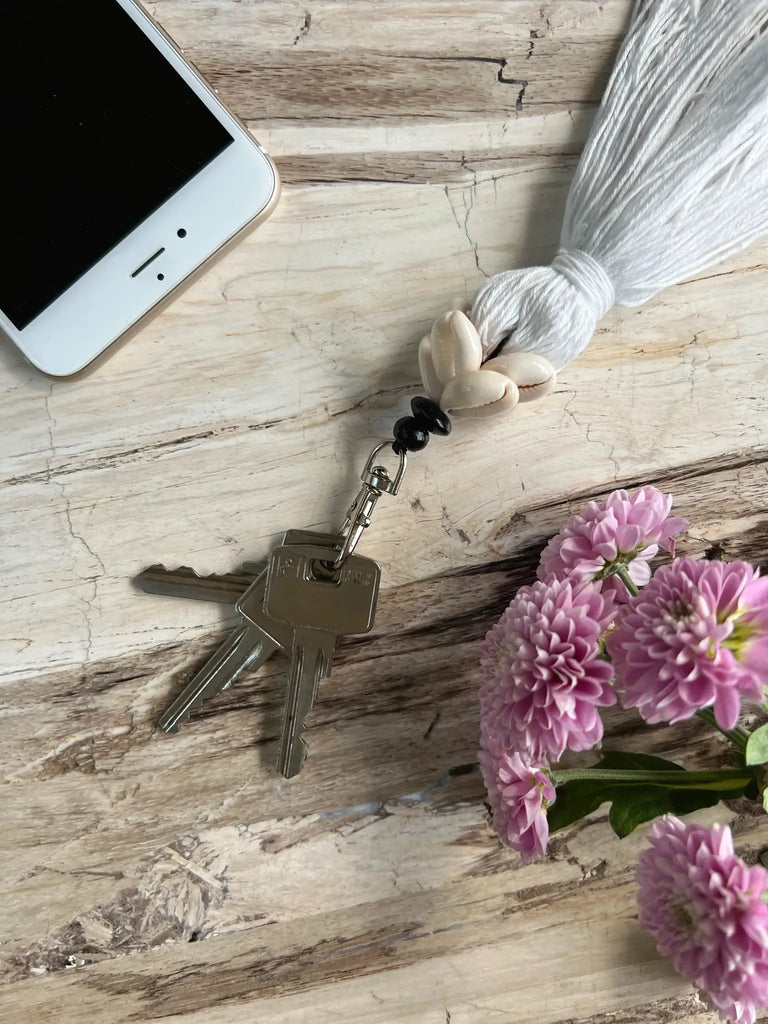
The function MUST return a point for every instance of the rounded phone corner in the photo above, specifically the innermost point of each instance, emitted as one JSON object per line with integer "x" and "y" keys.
{"x": 63, "y": 371}
{"x": 274, "y": 199}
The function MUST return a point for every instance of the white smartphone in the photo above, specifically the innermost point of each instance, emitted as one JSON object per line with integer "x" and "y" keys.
{"x": 122, "y": 174}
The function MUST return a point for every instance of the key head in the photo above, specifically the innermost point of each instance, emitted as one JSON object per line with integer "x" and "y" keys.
{"x": 301, "y": 592}
{"x": 250, "y": 605}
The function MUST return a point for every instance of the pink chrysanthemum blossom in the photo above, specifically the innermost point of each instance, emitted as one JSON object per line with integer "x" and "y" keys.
{"x": 697, "y": 636}
{"x": 751, "y": 640}
{"x": 543, "y": 679}
{"x": 624, "y": 530}
{"x": 519, "y": 792}
{"x": 707, "y": 910}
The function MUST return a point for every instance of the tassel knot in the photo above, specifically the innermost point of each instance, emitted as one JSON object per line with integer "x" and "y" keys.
{"x": 550, "y": 311}
{"x": 587, "y": 276}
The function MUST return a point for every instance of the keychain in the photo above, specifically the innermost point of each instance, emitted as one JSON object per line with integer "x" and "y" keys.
{"x": 673, "y": 178}
{"x": 315, "y": 589}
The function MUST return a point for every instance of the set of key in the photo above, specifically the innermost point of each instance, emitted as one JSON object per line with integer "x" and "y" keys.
{"x": 313, "y": 591}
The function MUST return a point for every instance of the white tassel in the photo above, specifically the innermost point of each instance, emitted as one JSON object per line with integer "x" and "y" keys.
{"x": 673, "y": 178}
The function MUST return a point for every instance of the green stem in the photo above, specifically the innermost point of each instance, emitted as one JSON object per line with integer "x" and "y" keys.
{"x": 623, "y": 573}
{"x": 737, "y": 736}
{"x": 724, "y": 778}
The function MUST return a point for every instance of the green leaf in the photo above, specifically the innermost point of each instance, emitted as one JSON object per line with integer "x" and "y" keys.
{"x": 630, "y": 808}
{"x": 632, "y": 802}
{"x": 757, "y": 746}
{"x": 575, "y": 800}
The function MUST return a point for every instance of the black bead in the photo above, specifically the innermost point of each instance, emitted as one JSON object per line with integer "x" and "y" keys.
{"x": 410, "y": 435}
{"x": 430, "y": 415}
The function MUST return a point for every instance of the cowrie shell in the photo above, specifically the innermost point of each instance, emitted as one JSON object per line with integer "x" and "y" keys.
{"x": 432, "y": 384}
{"x": 534, "y": 375}
{"x": 454, "y": 345}
{"x": 479, "y": 393}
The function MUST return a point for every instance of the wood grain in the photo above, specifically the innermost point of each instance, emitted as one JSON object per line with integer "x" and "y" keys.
{"x": 146, "y": 877}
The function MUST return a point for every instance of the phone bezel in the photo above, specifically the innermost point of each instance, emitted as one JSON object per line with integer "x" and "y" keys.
{"x": 236, "y": 190}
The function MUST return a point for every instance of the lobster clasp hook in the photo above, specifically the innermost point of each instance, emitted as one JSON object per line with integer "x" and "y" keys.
{"x": 376, "y": 481}
{"x": 377, "y": 477}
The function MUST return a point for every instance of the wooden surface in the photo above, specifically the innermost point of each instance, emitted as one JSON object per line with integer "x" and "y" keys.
{"x": 422, "y": 145}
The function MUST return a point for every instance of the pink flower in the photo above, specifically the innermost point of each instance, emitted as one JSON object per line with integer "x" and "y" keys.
{"x": 754, "y": 626}
{"x": 623, "y": 529}
{"x": 518, "y": 792}
{"x": 707, "y": 910}
{"x": 543, "y": 679}
{"x": 696, "y": 636}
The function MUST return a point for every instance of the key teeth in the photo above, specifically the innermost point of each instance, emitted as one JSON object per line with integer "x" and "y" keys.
{"x": 174, "y": 721}
{"x": 244, "y": 569}
{"x": 180, "y": 570}
{"x": 185, "y": 582}
{"x": 147, "y": 577}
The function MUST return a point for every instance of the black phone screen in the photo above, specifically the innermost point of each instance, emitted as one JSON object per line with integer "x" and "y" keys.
{"x": 98, "y": 130}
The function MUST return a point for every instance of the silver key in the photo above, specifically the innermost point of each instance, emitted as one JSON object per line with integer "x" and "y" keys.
{"x": 319, "y": 608}
{"x": 248, "y": 646}
{"x": 221, "y": 588}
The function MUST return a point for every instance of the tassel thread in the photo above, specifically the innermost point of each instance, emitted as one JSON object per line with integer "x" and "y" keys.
{"x": 673, "y": 178}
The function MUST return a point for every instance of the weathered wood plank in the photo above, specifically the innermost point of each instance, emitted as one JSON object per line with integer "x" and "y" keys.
{"x": 492, "y": 927}
{"x": 112, "y": 874}
{"x": 213, "y": 475}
